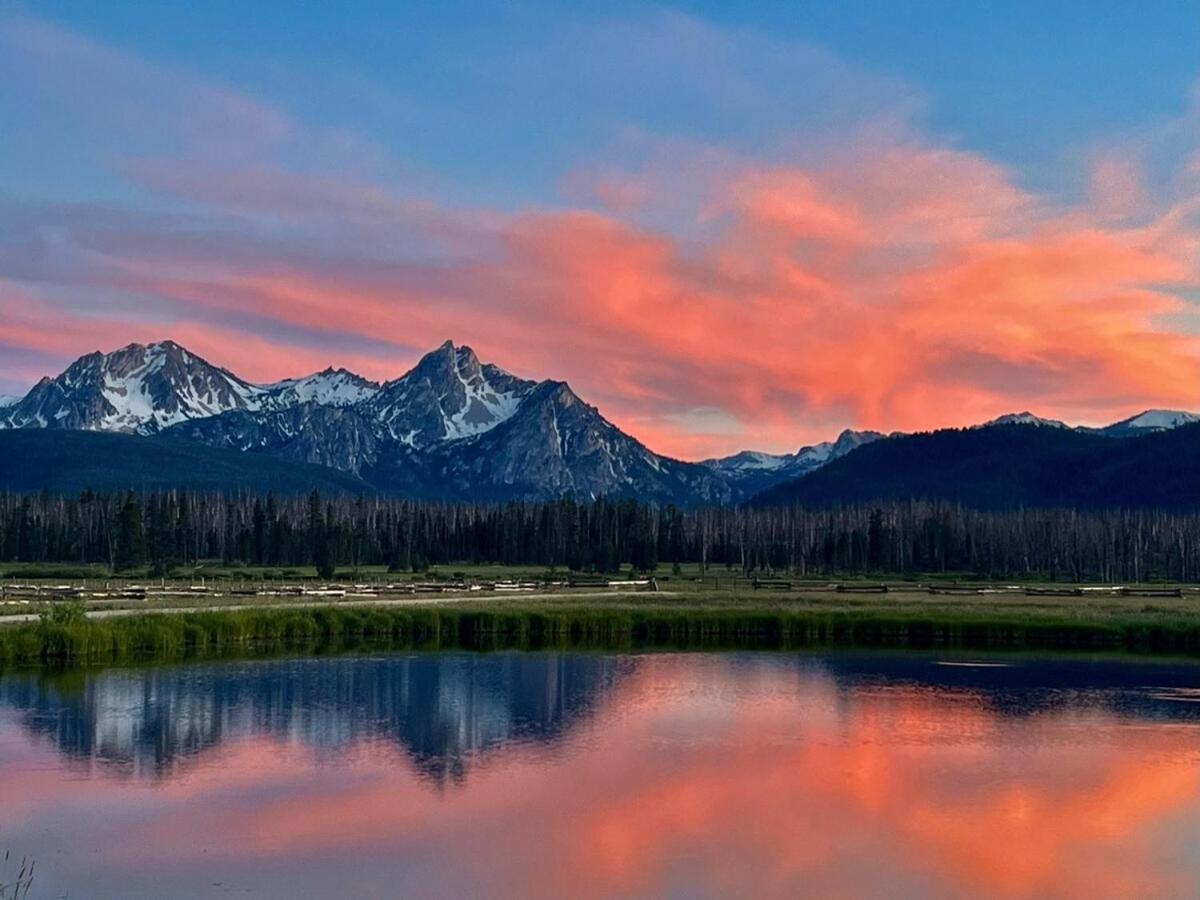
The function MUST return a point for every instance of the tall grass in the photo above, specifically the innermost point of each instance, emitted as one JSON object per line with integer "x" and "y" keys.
{"x": 73, "y": 640}
{"x": 15, "y": 886}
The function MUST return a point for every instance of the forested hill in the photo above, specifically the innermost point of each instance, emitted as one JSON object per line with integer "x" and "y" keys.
{"x": 1008, "y": 466}
{"x": 32, "y": 460}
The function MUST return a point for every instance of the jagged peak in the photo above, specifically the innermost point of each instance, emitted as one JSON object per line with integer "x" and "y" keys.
{"x": 451, "y": 360}
{"x": 557, "y": 391}
{"x": 446, "y": 355}
{"x": 851, "y": 439}
{"x": 854, "y": 434}
{"x": 154, "y": 347}
{"x": 89, "y": 359}
{"x": 326, "y": 373}
{"x": 442, "y": 357}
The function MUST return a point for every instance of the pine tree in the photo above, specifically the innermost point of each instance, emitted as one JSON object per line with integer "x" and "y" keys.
{"x": 131, "y": 536}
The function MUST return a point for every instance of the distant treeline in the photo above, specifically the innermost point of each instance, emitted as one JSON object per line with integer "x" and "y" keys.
{"x": 169, "y": 529}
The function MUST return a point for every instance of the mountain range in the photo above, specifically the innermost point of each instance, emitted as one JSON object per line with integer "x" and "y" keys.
{"x": 450, "y": 428}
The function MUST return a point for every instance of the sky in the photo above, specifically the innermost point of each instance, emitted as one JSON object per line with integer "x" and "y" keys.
{"x": 726, "y": 225}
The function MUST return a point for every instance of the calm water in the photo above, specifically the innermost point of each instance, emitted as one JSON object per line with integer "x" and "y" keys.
{"x": 576, "y": 775}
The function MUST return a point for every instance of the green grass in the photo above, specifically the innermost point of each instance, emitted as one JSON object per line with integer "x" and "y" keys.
{"x": 719, "y": 610}
{"x": 616, "y": 626}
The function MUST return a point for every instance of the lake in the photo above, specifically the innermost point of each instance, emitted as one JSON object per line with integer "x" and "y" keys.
{"x": 577, "y": 774}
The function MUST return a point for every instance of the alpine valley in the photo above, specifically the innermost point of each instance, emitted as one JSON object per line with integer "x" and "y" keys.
{"x": 452, "y": 428}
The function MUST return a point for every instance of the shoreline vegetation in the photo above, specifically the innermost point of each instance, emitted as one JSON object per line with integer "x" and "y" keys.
{"x": 63, "y": 635}
{"x": 71, "y": 614}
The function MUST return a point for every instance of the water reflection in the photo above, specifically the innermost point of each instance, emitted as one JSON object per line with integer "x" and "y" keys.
{"x": 552, "y": 775}
{"x": 440, "y": 709}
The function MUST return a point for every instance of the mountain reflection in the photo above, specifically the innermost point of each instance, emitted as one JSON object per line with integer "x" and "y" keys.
{"x": 442, "y": 710}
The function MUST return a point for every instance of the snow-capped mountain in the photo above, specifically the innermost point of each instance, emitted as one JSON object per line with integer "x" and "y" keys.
{"x": 451, "y": 427}
{"x": 332, "y": 387}
{"x": 1149, "y": 421}
{"x": 139, "y": 389}
{"x": 751, "y": 471}
{"x": 448, "y": 395}
{"x": 455, "y": 428}
{"x": 7, "y": 400}
{"x": 1023, "y": 418}
{"x": 750, "y": 461}
{"x": 145, "y": 388}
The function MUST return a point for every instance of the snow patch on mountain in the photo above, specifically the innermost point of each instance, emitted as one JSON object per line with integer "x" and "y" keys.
{"x": 816, "y": 454}
{"x": 332, "y": 387}
{"x": 485, "y": 405}
{"x": 448, "y": 396}
{"x": 750, "y": 461}
{"x": 145, "y": 388}
{"x": 137, "y": 389}
{"x": 167, "y": 386}
{"x": 1157, "y": 420}
{"x": 753, "y": 471}
{"x": 7, "y": 400}
{"x": 1023, "y": 418}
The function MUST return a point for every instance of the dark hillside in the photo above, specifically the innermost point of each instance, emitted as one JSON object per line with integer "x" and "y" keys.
{"x": 36, "y": 459}
{"x": 1009, "y": 466}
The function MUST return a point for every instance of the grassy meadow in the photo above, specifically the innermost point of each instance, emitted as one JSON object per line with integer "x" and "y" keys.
{"x": 688, "y": 610}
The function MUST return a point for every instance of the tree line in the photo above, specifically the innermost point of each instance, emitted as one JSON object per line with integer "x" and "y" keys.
{"x": 165, "y": 530}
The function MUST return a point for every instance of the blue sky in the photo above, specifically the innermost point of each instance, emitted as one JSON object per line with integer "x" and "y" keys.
{"x": 463, "y": 87}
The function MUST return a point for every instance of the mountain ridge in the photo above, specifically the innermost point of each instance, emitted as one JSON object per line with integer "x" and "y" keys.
{"x": 452, "y": 426}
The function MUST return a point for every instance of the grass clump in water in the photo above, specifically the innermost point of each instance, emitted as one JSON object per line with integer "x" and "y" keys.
{"x": 17, "y": 885}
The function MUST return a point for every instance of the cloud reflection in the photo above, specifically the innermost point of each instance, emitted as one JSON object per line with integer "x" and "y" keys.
{"x": 700, "y": 774}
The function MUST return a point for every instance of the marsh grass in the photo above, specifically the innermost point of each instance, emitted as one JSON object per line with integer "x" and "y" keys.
{"x": 16, "y": 877}
{"x": 170, "y": 636}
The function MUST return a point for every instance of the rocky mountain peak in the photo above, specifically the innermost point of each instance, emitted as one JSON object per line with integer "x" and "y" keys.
{"x": 448, "y": 395}
{"x": 329, "y": 387}
{"x": 558, "y": 392}
{"x": 849, "y": 440}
